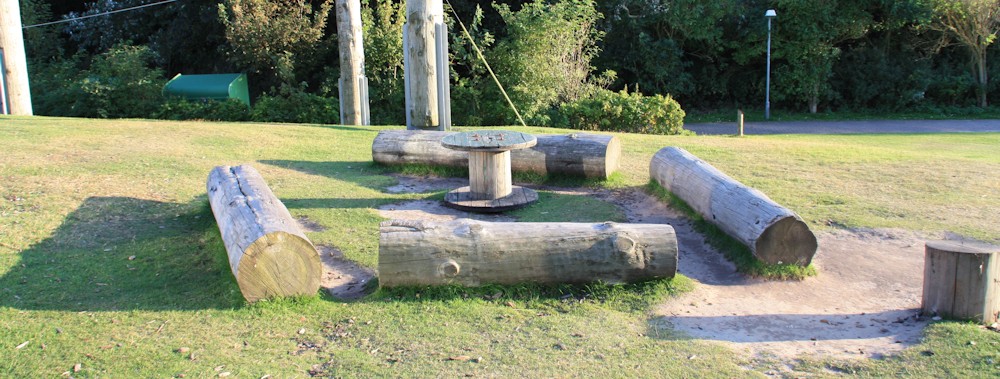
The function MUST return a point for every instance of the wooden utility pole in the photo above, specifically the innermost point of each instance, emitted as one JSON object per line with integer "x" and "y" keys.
{"x": 15, "y": 66}
{"x": 425, "y": 60}
{"x": 353, "y": 83}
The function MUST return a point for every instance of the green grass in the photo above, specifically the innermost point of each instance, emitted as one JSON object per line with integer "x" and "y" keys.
{"x": 110, "y": 258}
{"x": 757, "y": 115}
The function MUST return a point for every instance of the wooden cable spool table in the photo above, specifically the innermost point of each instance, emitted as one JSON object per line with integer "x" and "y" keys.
{"x": 490, "y": 188}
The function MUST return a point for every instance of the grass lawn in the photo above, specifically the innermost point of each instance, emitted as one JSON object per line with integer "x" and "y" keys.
{"x": 111, "y": 264}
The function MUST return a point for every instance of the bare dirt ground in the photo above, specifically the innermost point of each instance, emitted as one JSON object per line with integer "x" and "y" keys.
{"x": 863, "y": 304}
{"x": 342, "y": 278}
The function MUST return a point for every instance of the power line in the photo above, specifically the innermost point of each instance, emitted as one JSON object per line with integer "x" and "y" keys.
{"x": 99, "y": 14}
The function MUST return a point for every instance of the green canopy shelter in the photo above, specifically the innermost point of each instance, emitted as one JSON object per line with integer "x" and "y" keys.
{"x": 211, "y": 87}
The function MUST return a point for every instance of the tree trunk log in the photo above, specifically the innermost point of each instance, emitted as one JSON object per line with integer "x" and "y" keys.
{"x": 421, "y": 62}
{"x": 352, "y": 60}
{"x": 961, "y": 281}
{"x": 773, "y": 233}
{"x": 578, "y": 154}
{"x": 268, "y": 253}
{"x": 15, "y": 64}
{"x": 471, "y": 253}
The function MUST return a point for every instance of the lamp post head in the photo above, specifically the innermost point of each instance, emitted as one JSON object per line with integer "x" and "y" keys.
{"x": 770, "y": 13}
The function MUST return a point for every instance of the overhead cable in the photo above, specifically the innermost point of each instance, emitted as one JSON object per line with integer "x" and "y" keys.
{"x": 99, "y": 14}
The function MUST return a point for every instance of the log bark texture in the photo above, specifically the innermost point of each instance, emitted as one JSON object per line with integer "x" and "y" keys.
{"x": 472, "y": 253}
{"x": 961, "y": 281}
{"x": 352, "y": 60}
{"x": 268, "y": 253}
{"x": 773, "y": 233}
{"x": 421, "y": 62}
{"x": 578, "y": 154}
{"x": 15, "y": 63}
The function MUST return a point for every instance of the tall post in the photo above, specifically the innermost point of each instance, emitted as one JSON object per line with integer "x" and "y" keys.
{"x": 425, "y": 83}
{"x": 15, "y": 65}
{"x": 353, "y": 83}
{"x": 767, "y": 91}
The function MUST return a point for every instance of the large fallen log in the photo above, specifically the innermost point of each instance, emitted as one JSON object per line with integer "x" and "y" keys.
{"x": 268, "y": 253}
{"x": 580, "y": 154}
{"x": 472, "y": 253}
{"x": 773, "y": 233}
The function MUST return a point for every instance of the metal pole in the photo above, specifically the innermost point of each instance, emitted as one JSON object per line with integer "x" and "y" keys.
{"x": 767, "y": 93}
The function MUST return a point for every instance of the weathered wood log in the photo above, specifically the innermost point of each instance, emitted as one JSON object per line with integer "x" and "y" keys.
{"x": 14, "y": 78}
{"x": 773, "y": 233}
{"x": 268, "y": 253}
{"x": 961, "y": 281}
{"x": 580, "y": 154}
{"x": 420, "y": 63}
{"x": 471, "y": 253}
{"x": 352, "y": 62}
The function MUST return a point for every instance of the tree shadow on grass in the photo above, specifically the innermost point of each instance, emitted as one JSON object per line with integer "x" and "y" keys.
{"x": 121, "y": 253}
{"x": 362, "y": 173}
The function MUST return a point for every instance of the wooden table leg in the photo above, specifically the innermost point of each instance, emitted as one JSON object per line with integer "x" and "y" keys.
{"x": 489, "y": 174}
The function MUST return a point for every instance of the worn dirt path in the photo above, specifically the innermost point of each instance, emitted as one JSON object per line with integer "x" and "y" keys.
{"x": 863, "y": 303}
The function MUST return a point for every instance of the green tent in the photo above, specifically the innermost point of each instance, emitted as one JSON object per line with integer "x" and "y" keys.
{"x": 212, "y": 86}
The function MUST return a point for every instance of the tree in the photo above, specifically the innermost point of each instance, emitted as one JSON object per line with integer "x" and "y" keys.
{"x": 807, "y": 35}
{"x": 973, "y": 24}
{"x": 382, "y": 23}
{"x": 266, "y": 36}
{"x": 672, "y": 46}
{"x": 545, "y": 58}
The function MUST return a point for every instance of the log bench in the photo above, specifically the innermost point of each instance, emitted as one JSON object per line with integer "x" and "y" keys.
{"x": 773, "y": 233}
{"x": 472, "y": 253}
{"x": 578, "y": 154}
{"x": 268, "y": 253}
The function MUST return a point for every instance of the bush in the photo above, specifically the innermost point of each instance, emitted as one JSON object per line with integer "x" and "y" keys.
{"x": 179, "y": 109}
{"x": 625, "y": 112}
{"x": 119, "y": 83}
{"x": 296, "y": 106}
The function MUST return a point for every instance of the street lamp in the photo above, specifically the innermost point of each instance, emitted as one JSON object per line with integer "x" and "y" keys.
{"x": 767, "y": 94}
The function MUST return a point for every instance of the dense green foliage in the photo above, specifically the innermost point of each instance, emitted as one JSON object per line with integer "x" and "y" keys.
{"x": 626, "y": 112}
{"x": 550, "y": 55}
{"x": 180, "y": 109}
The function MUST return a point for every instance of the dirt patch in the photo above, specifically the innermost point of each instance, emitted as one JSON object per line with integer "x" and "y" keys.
{"x": 432, "y": 210}
{"x": 343, "y": 278}
{"x": 864, "y": 302}
{"x": 422, "y": 184}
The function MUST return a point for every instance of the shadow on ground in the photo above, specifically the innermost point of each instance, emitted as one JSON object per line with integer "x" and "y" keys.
{"x": 363, "y": 173}
{"x": 122, "y": 253}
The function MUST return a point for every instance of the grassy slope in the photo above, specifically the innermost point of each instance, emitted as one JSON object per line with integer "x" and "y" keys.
{"x": 110, "y": 258}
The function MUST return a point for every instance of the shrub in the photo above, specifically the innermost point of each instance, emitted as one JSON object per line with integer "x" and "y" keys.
{"x": 625, "y": 112}
{"x": 179, "y": 109}
{"x": 296, "y": 106}
{"x": 120, "y": 83}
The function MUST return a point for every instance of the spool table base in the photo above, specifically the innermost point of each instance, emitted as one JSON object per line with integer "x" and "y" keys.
{"x": 463, "y": 200}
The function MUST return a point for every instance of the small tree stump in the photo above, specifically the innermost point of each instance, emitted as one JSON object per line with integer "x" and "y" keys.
{"x": 961, "y": 281}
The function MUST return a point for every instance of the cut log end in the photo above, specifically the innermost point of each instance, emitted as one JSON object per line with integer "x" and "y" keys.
{"x": 612, "y": 158}
{"x": 788, "y": 241}
{"x": 279, "y": 264}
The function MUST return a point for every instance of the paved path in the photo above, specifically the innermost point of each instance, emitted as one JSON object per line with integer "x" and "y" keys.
{"x": 849, "y": 127}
